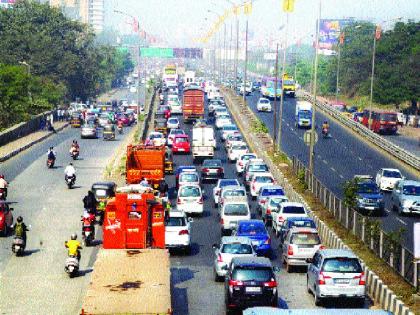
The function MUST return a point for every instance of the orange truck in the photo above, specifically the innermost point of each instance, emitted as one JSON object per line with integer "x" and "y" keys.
{"x": 145, "y": 162}
{"x": 131, "y": 274}
{"x": 193, "y": 104}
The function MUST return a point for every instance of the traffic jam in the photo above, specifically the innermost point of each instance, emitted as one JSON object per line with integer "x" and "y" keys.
{"x": 214, "y": 173}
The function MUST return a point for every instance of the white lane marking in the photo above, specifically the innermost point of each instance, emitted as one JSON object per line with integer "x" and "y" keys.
{"x": 388, "y": 211}
{"x": 325, "y": 162}
{"x": 319, "y": 156}
{"x": 341, "y": 176}
{"x": 288, "y": 124}
{"x": 333, "y": 169}
{"x": 335, "y": 140}
{"x": 401, "y": 221}
{"x": 359, "y": 158}
{"x": 301, "y": 138}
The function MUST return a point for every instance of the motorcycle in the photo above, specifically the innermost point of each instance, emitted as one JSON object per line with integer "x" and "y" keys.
{"x": 74, "y": 154}
{"x": 71, "y": 266}
{"x": 70, "y": 181}
{"x": 18, "y": 246}
{"x": 120, "y": 130}
{"x": 88, "y": 232}
{"x": 50, "y": 163}
{"x": 325, "y": 132}
{"x": 3, "y": 193}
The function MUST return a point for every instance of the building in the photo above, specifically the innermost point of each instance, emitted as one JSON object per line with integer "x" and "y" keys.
{"x": 86, "y": 11}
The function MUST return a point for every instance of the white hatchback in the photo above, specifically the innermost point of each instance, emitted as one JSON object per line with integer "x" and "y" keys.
{"x": 223, "y": 120}
{"x": 190, "y": 199}
{"x": 284, "y": 211}
{"x": 259, "y": 180}
{"x": 172, "y": 123}
{"x": 236, "y": 150}
{"x": 178, "y": 231}
{"x": 188, "y": 178}
{"x": 264, "y": 105}
{"x": 243, "y": 160}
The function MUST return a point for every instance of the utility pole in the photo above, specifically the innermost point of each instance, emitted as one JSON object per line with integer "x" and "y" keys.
{"x": 236, "y": 54}
{"x": 312, "y": 142}
{"x": 338, "y": 72}
{"x": 275, "y": 98}
{"x": 282, "y": 82}
{"x": 371, "y": 79}
{"x": 246, "y": 60}
{"x": 230, "y": 48}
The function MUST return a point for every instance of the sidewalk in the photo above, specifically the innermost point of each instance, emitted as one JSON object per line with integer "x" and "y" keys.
{"x": 11, "y": 149}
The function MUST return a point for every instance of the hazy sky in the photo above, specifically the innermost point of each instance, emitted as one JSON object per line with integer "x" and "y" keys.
{"x": 181, "y": 21}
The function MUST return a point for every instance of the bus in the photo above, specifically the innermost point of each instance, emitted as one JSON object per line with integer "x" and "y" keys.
{"x": 170, "y": 75}
{"x": 383, "y": 122}
{"x": 267, "y": 87}
{"x": 289, "y": 85}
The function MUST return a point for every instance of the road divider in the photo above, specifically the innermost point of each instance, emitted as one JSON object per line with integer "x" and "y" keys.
{"x": 262, "y": 144}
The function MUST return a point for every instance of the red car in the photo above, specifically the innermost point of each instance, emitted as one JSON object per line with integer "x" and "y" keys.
{"x": 166, "y": 109}
{"x": 6, "y": 218}
{"x": 181, "y": 144}
{"x": 124, "y": 119}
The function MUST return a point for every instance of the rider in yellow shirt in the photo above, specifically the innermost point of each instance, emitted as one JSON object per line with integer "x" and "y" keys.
{"x": 74, "y": 246}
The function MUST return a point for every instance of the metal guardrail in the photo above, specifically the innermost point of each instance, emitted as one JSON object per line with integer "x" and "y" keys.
{"x": 393, "y": 149}
{"x": 149, "y": 114}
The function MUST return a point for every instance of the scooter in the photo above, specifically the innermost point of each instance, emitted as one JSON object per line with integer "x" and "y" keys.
{"x": 70, "y": 181}
{"x": 71, "y": 266}
{"x": 50, "y": 163}
{"x": 325, "y": 133}
{"x": 18, "y": 246}
{"x": 120, "y": 130}
{"x": 74, "y": 154}
{"x": 88, "y": 230}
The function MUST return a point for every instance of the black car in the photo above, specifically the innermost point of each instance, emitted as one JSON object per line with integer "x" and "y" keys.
{"x": 212, "y": 169}
{"x": 250, "y": 281}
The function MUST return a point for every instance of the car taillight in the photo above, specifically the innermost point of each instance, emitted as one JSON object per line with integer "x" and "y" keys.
{"x": 241, "y": 164}
{"x": 270, "y": 284}
{"x": 290, "y": 250}
{"x": 322, "y": 247}
{"x": 178, "y": 201}
{"x": 322, "y": 277}
{"x": 362, "y": 278}
{"x": 262, "y": 201}
{"x": 205, "y": 170}
{"x": 268, "y": 241}
{"x": 268, "y": 211}
{"x": 200, "y": 201}
{"x": 183, "y": 232}
{"x": 253, "y": 186}
{"x": 280, "y": 219}
{"x": 222, "y": 221}
{"x": 233, "y": 283}
{"x": 219, "y": 258}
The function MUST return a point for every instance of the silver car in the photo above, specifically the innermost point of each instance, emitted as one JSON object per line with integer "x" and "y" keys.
{"x": 230, "y": 247}
{"x": 405, "y": 197}
{"x": 88, "y": 131}
{"x": 336, "y": 273}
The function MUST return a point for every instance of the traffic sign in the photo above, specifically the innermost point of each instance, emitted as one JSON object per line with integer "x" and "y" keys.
{"x": 307, "y": 137}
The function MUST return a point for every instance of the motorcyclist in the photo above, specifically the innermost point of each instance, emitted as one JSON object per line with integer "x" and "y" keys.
{"x": 74, "y": 147}
{"x": 20, "y": 229}
{"x": 144, "y": 182}
{"x": 88, "y": 219}
{"x": 51, "y": 155}
{"x": 120, "y": 125}
{"x": 89, "y": 202}
{"x": 70, "y": 171}
{"x": 3, "y": 185}
{"x": 325, "y": 127}
{"x": 73, "y": 246}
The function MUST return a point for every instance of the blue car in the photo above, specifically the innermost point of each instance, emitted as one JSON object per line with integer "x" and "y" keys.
{"x": 370, "y": 200}
{"x": 296, "y": 222}
{"x": 256, "y": 231}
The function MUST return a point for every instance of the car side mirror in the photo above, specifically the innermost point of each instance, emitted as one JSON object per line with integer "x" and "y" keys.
{"x": 309, "y": 260}
{"x": 215, "y": 246}
{"x": 190, "y": 220}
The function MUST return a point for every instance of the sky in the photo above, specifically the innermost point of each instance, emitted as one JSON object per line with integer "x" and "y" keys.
{"x": 180, "y": 22}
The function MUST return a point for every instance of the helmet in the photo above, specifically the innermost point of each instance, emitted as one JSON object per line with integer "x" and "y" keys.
{"x": 19, "y": 219}
{"x": 73, "y": 236}
{"x": 71, "y": 163}
{"x": 1, "y": 176}
{"x": 325, "y": 122}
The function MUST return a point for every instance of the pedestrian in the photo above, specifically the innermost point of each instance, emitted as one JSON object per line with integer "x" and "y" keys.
{"x": 42, "y": 123}
{"x": 52, "y": 118}
{"x": 407, "y": 118}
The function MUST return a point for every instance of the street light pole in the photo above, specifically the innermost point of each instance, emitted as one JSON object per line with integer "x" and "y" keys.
{"x": 275, "y": 98}
{"x": 236, "y": 54}
{"x": 28, "y": 70}
{"x": 312, "y": 138}
{"x": 338, "y": 72}
{"x": 371, "y": 80}
{"x": 246, "y": 60}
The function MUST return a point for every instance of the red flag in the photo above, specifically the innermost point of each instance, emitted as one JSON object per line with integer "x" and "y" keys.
{"x": 341, "y": 38}
{"x": 378, "y": 32}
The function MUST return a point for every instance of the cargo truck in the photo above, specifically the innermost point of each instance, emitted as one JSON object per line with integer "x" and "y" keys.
{"x": 303, "y": 114}
{"x": 193, "y": 104}
{"x": 203, "y": 141}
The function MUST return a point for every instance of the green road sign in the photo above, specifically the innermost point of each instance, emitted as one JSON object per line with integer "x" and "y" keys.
{"x": 157, "y": 52}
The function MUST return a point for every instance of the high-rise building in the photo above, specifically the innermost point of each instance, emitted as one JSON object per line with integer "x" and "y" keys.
{"x": 86, "y": 11}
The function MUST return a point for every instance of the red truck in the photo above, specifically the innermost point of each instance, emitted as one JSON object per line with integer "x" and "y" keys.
{"x": 193, "y": 104}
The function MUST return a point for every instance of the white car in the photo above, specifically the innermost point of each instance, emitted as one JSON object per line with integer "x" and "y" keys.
{"x": 228, "y": 192}
{"x": 178, "y": 231}
{"x": 264, "y": 105}
{"x": 133, "y": 89}
{"x": 236, "y": 150}
{"x": 233, "y": 138}
{"x": 386, "y": 178}
{"x": 223, "y": 182}
{"x": 174, "y": 104}
{"x": 259, "y": 180}
{"x": 284, "y": 211}
{"x": 172, "y": 123}
{"x": 223, "y": 120}
{"x": 190, "y": 199}
{"x": 232, "y": 211}
{"x": 220, "y": 111}
{"x": 156, "y": 139}
{"x": 173, "y": 133}
{"x": 188, "y": 178}
{"x": 228, "y": 130}
{"x": 243, "y": 160}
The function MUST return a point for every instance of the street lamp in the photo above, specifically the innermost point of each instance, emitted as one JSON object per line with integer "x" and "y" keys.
{"x": 28, "y": 69}
{"x": 220, "y": 44}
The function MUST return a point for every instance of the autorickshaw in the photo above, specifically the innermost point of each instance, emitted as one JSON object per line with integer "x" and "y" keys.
{"x": 103, "y": 191}
{"x": 169, "y": 161}
{"x": 160, "y": 126}
{"x": 109, "y": 132}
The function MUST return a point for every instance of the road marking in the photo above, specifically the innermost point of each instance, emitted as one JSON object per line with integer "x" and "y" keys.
{"x": 288, "y": 124}
{"x": 319, "y": 156}
{"x": 401, "y": 221}
{"x": 359, "y": 158}
{"x": 335, "y": 140}
{"x": 325, "y": 162}
{"x": 333, "y": 169}
{"x": 341, "y": 176}
{"x": 387, "y": 211}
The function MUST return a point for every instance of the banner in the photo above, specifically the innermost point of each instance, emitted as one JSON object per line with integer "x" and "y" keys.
{"x": 329, "y": 33}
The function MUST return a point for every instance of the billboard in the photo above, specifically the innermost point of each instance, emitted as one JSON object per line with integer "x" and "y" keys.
{"x": 329, "y": 33}
{"x": 6, "y": 3}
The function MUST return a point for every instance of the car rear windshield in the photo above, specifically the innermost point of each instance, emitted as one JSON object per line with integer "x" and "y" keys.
{"x": 294, "y": 210}
{"x": 230, "y": 128}
{"x": 232, "y": 182}
{"x": 264, "y": 101}
{"x": 177, "y": 132}
{"x": 235, "y": 138}
{"x": 239, "y": 147}
{"x": 247, "y": 157}
{"x": 367, "y": 188}
{"x": 251, "y": 229}
{"x": 189, "y": 192}
{"x": 302, "y": 223}
{"x": 239, "y": 192}
{"x": 305, "y": 239}
{"x": 252, "y": 274}
{"x": 342, "y": 264}
{"x": 236, "y": 248}
{"x": 263, "y": 179}
{"x": 189, "y": 178}
{"x": 411, "y": 190}
{"x": 272, "y": 192}
{"x": 392, "y": 174}
{"x": 212, "y": 163}
{"x": 236, "y": 209}
{"x": 258, "y": 168}
{"x": 175, "y": 221}
{"x": 181, "y": 140}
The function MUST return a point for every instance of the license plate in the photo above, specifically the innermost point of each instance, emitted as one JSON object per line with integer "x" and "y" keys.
{"x": 212, "y": 171}
{"x": 253, "y": 289}
{"x": 370, "y": 208}
{"x": 181, "y": 150}
{"x": 342, "y": 281}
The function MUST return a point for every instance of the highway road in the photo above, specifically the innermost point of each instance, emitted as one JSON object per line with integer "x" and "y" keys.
{"x": 37, "y": 283}
{"x": 194, "y": 289}
{"x": 337, "y": 159}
